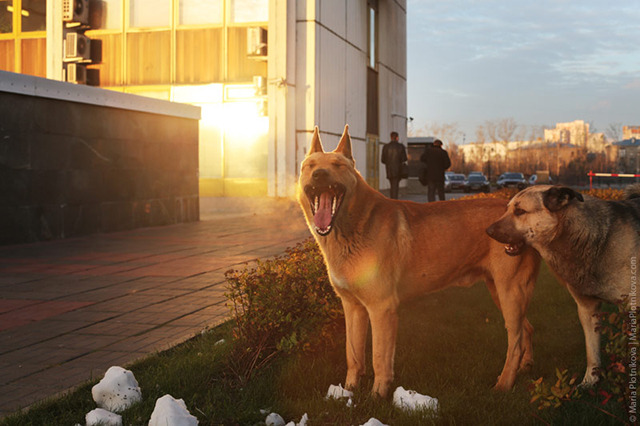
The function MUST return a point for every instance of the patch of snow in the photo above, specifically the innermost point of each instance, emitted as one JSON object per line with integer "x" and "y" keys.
{"x": 373, "y": 422}
{"x": 171, "y": 411}
{"x": 117, "y": 391}
{"x": 274, "y": 419}
{"x": 303, "y": 421}
{"x": 102, "y": 417}
{"x": 412, "y": 400}
{"x": 338, "y": 392}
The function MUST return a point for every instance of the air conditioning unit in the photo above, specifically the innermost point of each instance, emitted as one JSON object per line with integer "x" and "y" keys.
{"x": 256, "y": 41}
{"x": 77, "y": 47}
{"x": 77, "y": 73}
{"x": 76, "y": 11}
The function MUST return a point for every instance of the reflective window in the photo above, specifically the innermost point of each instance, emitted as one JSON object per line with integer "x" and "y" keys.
{"x": 6, "y": 16}
{"x": 111, "y": 14}
{"x": 34, "y": 15}
{"x": 200, "y": 12}
{"x": 248, "y": 11}
{"x": 150, "y": 13}
{"x": 372, "y": 37}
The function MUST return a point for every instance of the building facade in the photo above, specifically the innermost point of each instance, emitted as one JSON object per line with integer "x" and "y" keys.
{"x": 264, "y": 73}
{"x": 628, "y": 151}
{"x": 629, "y": 132}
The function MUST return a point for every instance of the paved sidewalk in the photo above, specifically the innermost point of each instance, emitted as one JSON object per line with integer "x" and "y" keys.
{"x": 70, "y": 309}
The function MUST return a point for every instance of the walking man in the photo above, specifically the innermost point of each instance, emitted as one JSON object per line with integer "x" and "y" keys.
{"x": 436, "y": 162}
{"x": 393, "y": 156}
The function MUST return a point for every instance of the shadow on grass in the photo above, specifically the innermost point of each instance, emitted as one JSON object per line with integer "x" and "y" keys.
{"x": 451, "y": 346}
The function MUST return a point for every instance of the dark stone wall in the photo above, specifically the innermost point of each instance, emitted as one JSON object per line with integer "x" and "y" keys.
{"x": 69, "y": 169}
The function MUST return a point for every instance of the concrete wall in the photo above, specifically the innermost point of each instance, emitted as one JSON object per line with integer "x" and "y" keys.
{"x": 73, "y": 168}
{"x": 331, "y": 74}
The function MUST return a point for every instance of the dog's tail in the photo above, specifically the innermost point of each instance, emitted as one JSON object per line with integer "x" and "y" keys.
{"x": 633, "y": 191}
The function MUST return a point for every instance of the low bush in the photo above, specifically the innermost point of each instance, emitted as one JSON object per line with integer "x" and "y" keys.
{"x": 606, "y": 194}
{"x": 508, "y": 193}
{"x": 615, "y": 392}
{"x": 281, "y": 305}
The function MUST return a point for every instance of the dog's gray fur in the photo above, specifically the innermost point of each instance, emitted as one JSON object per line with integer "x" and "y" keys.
{"x": 588, "y": 242}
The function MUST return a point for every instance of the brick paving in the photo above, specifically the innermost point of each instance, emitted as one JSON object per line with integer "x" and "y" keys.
{"x": 70, "y": 309}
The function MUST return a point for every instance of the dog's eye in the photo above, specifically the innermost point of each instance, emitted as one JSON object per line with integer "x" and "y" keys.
{"x": 519, "y": 212}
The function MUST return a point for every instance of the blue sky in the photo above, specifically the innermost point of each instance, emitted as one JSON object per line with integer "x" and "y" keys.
{"x": 540, "y": 62}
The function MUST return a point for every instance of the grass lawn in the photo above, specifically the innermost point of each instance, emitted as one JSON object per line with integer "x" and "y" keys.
{"x": 451, "y": 346}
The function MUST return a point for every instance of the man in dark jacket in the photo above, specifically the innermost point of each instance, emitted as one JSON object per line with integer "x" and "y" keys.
{"x": 393, "y": 155}
{"x": 436, "y": 162}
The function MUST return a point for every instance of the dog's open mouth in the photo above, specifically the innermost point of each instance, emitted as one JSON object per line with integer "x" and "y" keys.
{"x": 325, "y": 202}
{"x": 514, "y": 249}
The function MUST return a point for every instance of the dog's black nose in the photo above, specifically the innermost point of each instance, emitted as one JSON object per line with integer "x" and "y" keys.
{"x": 320, "y": 174}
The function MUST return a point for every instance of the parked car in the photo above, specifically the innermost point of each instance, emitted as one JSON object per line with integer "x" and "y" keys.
{"x": 453, "y": 181}
{"x": 476, "y": 173}
{"x": 476, "y": 183}
{"x": 533, "y": 180}
{"x": 511, "y": 179}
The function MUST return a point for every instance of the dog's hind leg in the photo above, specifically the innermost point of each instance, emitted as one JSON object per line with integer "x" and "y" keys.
{"x": 527, "y": 357}
{"x": 357, "y": 328}
{"x": 514, "y": 286}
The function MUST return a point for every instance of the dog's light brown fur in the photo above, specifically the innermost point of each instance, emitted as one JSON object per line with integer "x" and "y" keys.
{"x": 382, "y": 252}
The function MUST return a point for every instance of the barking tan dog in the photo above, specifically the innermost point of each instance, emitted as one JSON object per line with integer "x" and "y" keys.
{"x": 381, "y": 252}
{"x": 592, "y": 245}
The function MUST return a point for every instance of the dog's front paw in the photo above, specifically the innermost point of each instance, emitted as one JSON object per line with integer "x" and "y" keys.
{"x": 591, "y": 377}
{"x": 381, "y": 389}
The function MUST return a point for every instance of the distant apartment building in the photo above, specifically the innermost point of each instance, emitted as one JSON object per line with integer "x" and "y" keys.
{"x": 560, "y": 146}
{"x": 629, "y": 132}
{"x": 576, "y": 133}
{"x": 628, "y": 152}
{"x": 264, "y": 73}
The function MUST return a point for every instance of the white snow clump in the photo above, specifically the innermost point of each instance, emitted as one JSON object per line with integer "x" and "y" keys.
{"x": 303, "y": 421}
{"x": 171, "y": 411}
{"x": 103, "y": 418}
{"x": 274, "y": 419}
{"x": 338, "y": 392}
{"x": 117, "y": 391}
{"x": 373, "y": 422}
{"x": 412, "y": 400}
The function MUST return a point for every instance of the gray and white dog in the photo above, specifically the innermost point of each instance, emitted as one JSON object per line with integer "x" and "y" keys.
{"x": 591, "y": 244}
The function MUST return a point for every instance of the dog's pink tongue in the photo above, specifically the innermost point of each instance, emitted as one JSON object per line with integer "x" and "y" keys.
{"x": 322, "y": 218}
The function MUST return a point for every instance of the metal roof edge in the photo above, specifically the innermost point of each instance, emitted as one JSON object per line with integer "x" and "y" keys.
{"x": 52, "y": 89}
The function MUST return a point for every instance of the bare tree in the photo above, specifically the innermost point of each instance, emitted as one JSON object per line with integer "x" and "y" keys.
{"x": 506, "y": 128}
{"x": 537, "y": 132}
{"x": 491, "y": 130}
{"x": 614, "y": 131}
{"x": 480, "y": 138}
{"x": 449, "y": 133}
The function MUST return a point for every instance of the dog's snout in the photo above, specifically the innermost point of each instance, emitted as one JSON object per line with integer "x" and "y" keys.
{"x": 319, "y": 175}
{"x": 502, "y": 232}
{"x": 491, "y": 230}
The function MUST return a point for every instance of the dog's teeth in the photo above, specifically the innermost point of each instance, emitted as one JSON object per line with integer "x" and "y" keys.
{"x": 333, "y": 205}
{"x": 316, "y": 203}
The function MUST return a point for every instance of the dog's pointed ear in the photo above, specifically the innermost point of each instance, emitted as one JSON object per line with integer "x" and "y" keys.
{"x": 316, "y": 143}
{"x": 558, "y": 197}
{"x": 344, "y": 146}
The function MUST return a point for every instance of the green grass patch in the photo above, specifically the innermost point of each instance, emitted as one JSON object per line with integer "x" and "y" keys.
{"x": 451, "y": 346}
